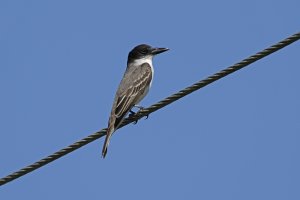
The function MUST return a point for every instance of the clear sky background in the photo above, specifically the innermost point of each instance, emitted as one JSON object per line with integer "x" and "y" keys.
{"x": 238, "y": 138}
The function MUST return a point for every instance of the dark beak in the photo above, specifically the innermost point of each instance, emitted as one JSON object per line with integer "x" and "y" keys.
{"x": 156, "y": 51}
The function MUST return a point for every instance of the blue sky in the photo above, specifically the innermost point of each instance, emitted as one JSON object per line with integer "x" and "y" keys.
{"x": 238, "y": 138}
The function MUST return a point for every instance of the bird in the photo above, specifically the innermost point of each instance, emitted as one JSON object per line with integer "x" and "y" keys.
{"x": 133, "y": 87}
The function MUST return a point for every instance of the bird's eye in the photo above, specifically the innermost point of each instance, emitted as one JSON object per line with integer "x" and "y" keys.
{"x": 144, "y": 51}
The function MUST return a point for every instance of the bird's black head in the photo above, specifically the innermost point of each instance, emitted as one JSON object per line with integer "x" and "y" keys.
{"x": 144, "y": 50}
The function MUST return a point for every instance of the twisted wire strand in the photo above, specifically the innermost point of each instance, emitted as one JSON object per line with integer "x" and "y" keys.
{"x": 153, "y": 108}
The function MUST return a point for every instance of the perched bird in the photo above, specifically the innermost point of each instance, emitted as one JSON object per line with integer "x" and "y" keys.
{"x": 133, "y": 88}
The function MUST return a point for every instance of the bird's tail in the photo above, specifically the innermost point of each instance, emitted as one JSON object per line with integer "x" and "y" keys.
{"x": 110, "y": 131}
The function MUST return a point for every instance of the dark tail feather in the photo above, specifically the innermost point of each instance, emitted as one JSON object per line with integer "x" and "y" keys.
{"x": 113, "y": 125}
{"x": 109, "y": 133}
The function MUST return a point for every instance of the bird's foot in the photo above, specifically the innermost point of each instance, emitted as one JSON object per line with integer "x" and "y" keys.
{"x": 131, "y": 114}
{"x": 141, "y": 108}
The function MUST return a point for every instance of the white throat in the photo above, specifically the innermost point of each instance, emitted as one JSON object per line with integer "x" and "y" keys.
{"x": 146, "y": 59}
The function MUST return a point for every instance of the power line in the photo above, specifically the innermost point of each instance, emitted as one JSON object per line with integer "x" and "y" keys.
{"x": 153, "y": 108}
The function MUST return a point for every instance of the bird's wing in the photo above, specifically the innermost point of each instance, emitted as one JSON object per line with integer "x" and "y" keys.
{"x": 133, "y": 85}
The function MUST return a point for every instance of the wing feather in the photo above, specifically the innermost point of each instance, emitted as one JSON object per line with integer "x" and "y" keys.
{"x": 128, "y": 98}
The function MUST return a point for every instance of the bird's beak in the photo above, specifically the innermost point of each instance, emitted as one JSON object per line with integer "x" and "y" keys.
{"x": 156, "y": 51}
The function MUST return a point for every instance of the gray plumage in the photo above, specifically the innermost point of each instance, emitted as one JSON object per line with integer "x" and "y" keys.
{"x": 133, "y": 88}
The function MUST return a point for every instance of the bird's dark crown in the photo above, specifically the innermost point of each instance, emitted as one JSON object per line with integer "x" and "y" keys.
{"x": 144, "y": 50}
{"x": 140, "y": 51}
